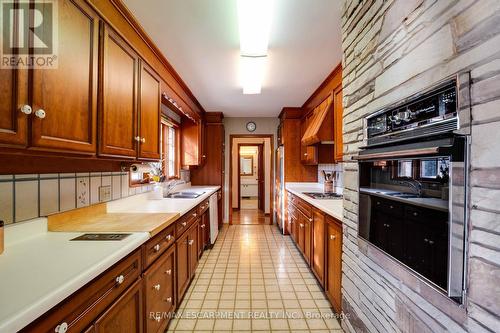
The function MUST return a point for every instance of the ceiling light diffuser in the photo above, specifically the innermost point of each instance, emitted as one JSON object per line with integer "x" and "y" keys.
{"x": 252, "y": 73}
{"x": 254, "y": 17}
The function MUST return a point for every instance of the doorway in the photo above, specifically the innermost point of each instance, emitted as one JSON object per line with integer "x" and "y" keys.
{"x": 251, "y": 178}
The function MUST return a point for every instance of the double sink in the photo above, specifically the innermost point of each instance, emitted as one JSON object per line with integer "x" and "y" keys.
{"x": 184, "y": 195}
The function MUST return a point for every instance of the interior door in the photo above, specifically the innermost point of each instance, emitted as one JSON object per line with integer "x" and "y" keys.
{"x": 261, "y": 177}
{"x": 118, "y": 105}
{"x": 64, "y": 100}
{"x": 149, "y": 113}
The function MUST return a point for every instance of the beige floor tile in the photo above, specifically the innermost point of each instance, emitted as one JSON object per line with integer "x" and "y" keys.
{"x": 223, "y": 325}
{"x": 261, "y": 325}
{"x": 204, "y": 325}
{"x": 242, "y": 325}
{"x": 279, "y": 324}
{"x": 297, "y": 324}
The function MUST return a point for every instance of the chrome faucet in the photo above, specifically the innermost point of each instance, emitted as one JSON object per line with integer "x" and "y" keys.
{"x": 415, "y": 185}
{"x": 170, "y": 185}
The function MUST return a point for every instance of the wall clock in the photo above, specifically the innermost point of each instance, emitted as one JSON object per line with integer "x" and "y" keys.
{"x": 251, "y": 126}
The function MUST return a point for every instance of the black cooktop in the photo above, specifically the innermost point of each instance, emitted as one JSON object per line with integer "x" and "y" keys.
{"x": 320, "y": 195}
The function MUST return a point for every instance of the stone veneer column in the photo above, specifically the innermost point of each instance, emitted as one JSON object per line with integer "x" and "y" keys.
{"x": 391, "y": 50}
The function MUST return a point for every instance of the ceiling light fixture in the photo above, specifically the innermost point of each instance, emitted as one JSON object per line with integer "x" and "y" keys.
{"x": 254, "y": 18}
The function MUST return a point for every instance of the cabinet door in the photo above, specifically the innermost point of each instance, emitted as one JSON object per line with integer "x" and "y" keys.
{"x": 118, "y": 105}
{"x": 68, "y": 94}
{"x": 338, "y": 114}
{"x": 149, "y": 113}
{"x": 13, "y": 94}
{"x": 125, "y": 315}
{"x": 334, "y": 264}
{"x": 201, "y": 235}
{"x": 300, "y": 232}
{"x": 318, "y": 246}
{"x": 193, "y": 248}
{"x": 182, "y": 252}
{"x": 307, "y": 240}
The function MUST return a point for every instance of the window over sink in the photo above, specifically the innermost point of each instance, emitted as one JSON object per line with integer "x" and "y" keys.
{"x": 170, "y": 149}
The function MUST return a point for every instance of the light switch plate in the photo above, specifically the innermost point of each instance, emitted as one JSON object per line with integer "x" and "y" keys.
{"x": 104, "y": 193}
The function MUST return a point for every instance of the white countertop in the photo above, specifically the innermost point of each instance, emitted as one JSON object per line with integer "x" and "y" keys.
{"x": 333, "y": 207}
{"x": 39, "y": 269}
{"x": 432, "y": 203}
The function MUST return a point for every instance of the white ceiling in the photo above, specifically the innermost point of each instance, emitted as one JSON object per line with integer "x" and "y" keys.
{"x": 200, "y": 39}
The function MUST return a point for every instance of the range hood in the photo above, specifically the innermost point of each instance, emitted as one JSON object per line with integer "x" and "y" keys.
{"x": 320, "y": 124}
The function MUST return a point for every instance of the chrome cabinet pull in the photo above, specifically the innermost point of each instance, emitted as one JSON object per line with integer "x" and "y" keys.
{"x": 61, "y": 328}
{"x": 40, "y": 113}
{"x": 169, "y": 300}
{"x": 191, "y": 242}
{"x": 119, "y": 279}
{"x": 157, "y": 247}
{"x": 157, "y": 287}
{"x": 168, "y": 237}
{"x": 168, "y": 271}
{"x": 203, "y": 226}
{"x": 26, "y": 109}
{"x": 184, "y": 223}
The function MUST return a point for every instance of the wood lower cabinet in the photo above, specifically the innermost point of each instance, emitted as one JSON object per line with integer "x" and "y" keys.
{"x": 118, "y": 105}
{"x": 203, "y": 232}
{"x": 318, "y": 246}
{"x": 193, "y": 248}
{"x": 125, "y": 315}
{"x": 334, "y": 263}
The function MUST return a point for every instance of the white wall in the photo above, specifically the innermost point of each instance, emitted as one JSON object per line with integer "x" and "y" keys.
{"x": 237, "y": 126}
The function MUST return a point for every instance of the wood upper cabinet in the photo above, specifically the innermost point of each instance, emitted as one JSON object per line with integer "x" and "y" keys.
{"x": 308, "y": 154}
{"x": 192, "y": 143}
{"x": 337, "y": 126}
{"x": 125, "y": 315}
{"x": 334, "y": 263}
{"x": 149, "y": 113}
{"x": 68, "y": 95}
{"x": 118, "y": 104}
{"x": 13, "y": 94}
{"x": 318, "y": 245}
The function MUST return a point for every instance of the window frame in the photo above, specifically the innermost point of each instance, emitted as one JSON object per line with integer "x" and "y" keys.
{"x": 166, "y": 124}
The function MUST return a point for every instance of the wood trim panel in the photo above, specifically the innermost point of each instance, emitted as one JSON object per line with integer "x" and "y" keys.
{"x": 332, "y": 81}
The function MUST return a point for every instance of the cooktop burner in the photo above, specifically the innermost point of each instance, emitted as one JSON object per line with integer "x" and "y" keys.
{"x": 320, "y": 195}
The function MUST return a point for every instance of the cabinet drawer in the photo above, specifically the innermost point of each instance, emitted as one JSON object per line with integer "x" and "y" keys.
{"x": 304, "y": 208}
{"x": 158, "y": 286}
{"x": 202, "y": 207}
{"x": 79, "y": 310}
{"x": 388, "y": 206}
{"x": 185, "y": 221}
{"x": 158, "y": 244}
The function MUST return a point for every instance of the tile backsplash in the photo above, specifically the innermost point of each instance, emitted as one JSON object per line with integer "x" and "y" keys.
{"x": 24, "y": 197}
{"x": 331, "y": 167}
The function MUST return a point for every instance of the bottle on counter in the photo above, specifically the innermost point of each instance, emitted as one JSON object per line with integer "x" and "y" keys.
{"x": 1, "y": 237}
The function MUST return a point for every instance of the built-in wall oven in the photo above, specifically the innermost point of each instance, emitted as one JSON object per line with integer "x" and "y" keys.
{"x": 413, "y": 187}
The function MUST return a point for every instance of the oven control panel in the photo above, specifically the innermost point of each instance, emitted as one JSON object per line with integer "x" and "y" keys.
{"x": 426, "y": 114}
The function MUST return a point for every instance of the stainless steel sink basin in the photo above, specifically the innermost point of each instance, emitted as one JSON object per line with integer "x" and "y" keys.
{"x": 184, "y": 195}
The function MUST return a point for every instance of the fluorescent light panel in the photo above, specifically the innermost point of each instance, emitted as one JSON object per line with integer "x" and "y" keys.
{"x": 254, "y": 18}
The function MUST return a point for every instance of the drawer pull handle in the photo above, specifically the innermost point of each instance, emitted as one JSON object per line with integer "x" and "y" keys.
{"x": 301, "y": 225}
{"x": 157, "y": 247}
{"x": 168, "y": 271}
{"x": 156, "y": 287}
{"x": 168, "y": 237}
{"x": 415, "y": 213}
{"x": 61, "y": 328}
{"x": 120, "y": 279}
{"x": 191, "y": 242}
{"x": 203, "y": 226}
{"x": 391, "y": 206}
{"x": 332, "y": 237}
{"x": 194, "y": 214}
{"x": 184, "y": 223}
{"x": 169, "y": 300}
{"x": 310, "y": 220}
{"x": 202, "y": 207}
{"x": 431, "y": 242}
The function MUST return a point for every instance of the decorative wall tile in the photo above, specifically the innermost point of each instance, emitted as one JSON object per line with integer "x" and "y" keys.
{"x": 105, "y": 180}
{"x": 7, "y": 201}
{"x": 82, "y": 192}
{"x": 49, "y": 196}
{"x": 67, "y": 189}
{"x": 26, "y": 199}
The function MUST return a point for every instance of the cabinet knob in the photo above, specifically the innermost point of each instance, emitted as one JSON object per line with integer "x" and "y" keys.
{"x": 378, "y": 203}
{"x": 301, "y": 225}
{"x": 204, "y": 156}
{"x": 137, "y": 138}
{"x": 120, "y": 279}
{"x": 156, "y": 287}
{"x": 191, "y": 242}
{"x": 169, "y": 300}
{"x": 203, "y": 226}
{"x": 168, "y": 237}
{"x": 143, "y": 140}
{"x": 61, "y": 328}
{"x": 184, "y": 223}
{"x": 26, "y": 109}
{"x": 431, "y": 242}
{"x": 168, "y": 272}
{"x": 415, "y": 213}
{"x": 305, "y": 154}
{"x": 332, "y": 237}
{"x": 194, "y": 214}
{"x": 157, "y": 247}
{"x": 310, "y": 219}
{"x": 40, "y": 113}
{"x": 391, "y": 206}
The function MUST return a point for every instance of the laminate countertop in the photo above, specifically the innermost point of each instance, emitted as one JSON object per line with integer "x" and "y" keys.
{"x": 333, "y": 207}
{"x": 39, "y": 268}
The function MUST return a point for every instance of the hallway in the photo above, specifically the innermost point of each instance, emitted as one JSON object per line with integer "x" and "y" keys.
{"x": 254, "y": 279}
{"x": 250, "y": 217}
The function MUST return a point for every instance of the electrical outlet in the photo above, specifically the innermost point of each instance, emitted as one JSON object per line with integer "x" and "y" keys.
{"x": 104, "y": 193}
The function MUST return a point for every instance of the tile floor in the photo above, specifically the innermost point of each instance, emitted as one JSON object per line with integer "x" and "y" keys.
{"x": 254, "y": 279}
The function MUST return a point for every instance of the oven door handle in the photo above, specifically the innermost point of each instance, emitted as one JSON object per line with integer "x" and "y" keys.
{"x": 398, "y": 153}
